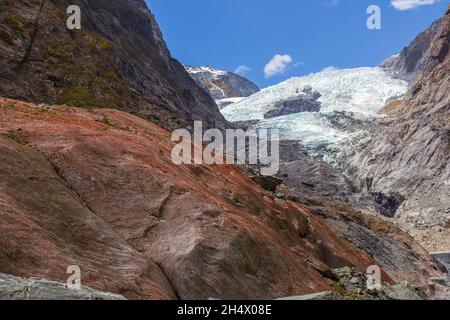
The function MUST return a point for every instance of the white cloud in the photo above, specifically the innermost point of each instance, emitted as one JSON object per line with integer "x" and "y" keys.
{"x": 277, "y": 65}
{"x": 403, "y": 5}
{"x": 242, "y": 70}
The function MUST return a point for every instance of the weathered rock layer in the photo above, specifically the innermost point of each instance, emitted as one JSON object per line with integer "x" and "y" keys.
{"x": 98, "y": 189}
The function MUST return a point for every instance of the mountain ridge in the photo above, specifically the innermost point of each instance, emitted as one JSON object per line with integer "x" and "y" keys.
{"x": 409, "y": 63}
{"x": 118, "y": 59}
{"x": 222, "y": 84}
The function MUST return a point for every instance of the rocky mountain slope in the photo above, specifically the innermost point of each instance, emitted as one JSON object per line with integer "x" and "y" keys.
{"x": 222, "y": 84}
{"x": 408, "y": 164}
{"x": 411, "y": 61}
{"x": 327, "y": 193}
{"x": 97, "y": 188}
{"x": 118, "y": 59}
{"x": 304, "y": 101}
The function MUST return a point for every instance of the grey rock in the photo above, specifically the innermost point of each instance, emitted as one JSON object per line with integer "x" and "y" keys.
{"x": 222, "y": 103}
{"x": 320, "y": 296}
{"x": 304, "y": 102}
{"x": 15, "y": 288}
{"x": 443, "y": 281}
{"x": 315, "y": 178}
{"x": 118, "y": 60}
{"x": 351, "y": 284}
{"x": 402, "y": 291}
{"x": 245, "y": 125}
{"x": 444, "y": 259}
{"x": 326, "y": 192}
{"x": 407, "y": 165}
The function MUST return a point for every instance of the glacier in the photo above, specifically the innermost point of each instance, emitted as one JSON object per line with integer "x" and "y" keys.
{"x": 352, "y": 95}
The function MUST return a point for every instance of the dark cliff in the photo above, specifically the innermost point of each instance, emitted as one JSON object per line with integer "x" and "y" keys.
{"x": 118, "y": 59}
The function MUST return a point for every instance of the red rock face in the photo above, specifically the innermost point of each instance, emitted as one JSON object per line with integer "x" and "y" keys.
{"x": 98, "y": 189}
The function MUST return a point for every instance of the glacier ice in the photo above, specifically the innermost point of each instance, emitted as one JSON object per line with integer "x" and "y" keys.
{"x": 363, "y": 91}
{"x": 359, "y": 92}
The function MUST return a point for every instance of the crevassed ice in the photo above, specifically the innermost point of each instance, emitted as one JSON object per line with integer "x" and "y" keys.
{"x": 308, "y": 127}
{"x": 361, "y": 91}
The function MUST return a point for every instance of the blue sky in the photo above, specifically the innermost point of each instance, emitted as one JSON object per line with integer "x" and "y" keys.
{"x": 314, "y": 34}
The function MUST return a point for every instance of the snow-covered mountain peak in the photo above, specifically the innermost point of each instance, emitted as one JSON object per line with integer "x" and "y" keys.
{"x": 205, "y": 69}
{"x": 221, "y": 84}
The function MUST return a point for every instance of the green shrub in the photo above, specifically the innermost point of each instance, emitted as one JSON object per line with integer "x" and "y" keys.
{"x": 13, "y": 21}
{"x": 77, "y": 96}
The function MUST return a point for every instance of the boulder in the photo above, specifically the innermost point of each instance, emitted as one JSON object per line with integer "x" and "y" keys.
{"x": 305, "y": 103}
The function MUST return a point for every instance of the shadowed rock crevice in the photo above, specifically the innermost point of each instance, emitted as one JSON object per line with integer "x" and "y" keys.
{"x": 22, "y": 61}
{"x": 387, "y": 205}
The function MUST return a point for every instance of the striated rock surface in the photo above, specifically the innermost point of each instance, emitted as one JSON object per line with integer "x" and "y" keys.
{"x": 14, "y": 288}
{"x": 328, "y": 194}
{"x": 222, "y": 84}
{"x": 391, "y": 248}
{"x": 411, "y": 61}
{"x": 46, "y": 227}
{"x": 408, "y": 164}
{"x": 98, "y": 189}
{"x": 118, "y": 59}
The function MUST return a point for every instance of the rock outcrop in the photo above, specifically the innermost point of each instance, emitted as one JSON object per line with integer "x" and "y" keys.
{"x": 410, "y": 62}
{"x": 306, "y": 101}
{"x": 97, "y": 188}
{"x": 118, "y": 59}
{"x": 14, "y": 288}
{"x": 222, "y": 84}
{"x": 444, "y": 259}
{"x": 327, "y": 193}
{"x": 352, "y": 285}
{"x": 409, "y": 161}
